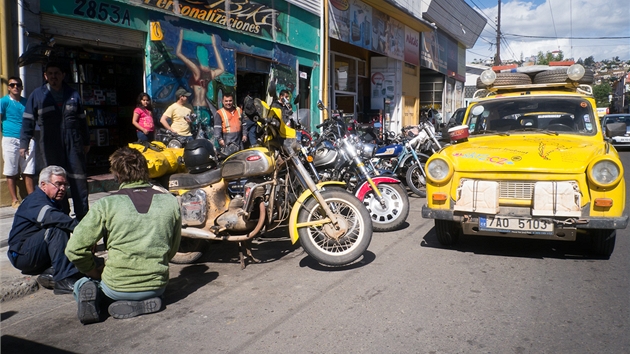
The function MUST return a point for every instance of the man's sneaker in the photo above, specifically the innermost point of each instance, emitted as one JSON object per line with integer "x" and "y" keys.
{"x": 88, "y": 311}
{"x": 128, "y": 309}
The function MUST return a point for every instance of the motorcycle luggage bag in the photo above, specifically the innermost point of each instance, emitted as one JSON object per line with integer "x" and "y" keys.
{"x": 160, "y": 159}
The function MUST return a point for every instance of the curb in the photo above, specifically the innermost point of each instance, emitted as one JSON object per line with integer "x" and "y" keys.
{"x": 17, "y": 287}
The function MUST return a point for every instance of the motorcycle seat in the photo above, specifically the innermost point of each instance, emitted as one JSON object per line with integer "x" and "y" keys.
{"x": 196, "y": 180}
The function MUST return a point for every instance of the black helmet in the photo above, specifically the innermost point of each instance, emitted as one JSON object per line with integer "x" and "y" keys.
{"x": 200, "y": 156}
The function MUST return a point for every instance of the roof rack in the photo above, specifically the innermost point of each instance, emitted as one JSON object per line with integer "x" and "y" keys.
{"x": 564, "y": 86}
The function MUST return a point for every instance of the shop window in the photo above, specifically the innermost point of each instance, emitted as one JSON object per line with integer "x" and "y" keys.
{"x": 345, "y": 74}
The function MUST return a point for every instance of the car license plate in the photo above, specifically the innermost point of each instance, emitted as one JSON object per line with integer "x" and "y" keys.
{"x": 623, "y": 139}
{"x": 515, "y": 225}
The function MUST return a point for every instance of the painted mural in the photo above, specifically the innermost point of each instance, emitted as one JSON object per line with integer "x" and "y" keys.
{"x": 198, "y": 58}
{"x": 197, "y": 62}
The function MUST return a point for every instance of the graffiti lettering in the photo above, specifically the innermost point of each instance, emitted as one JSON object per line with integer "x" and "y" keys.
{"x": 241, "y": 15}
{"x": 484, "y": 157}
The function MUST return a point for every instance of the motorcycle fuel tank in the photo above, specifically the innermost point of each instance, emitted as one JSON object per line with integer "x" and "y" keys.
{"x": 248, "y": 163}
{"x": 389, "y": 151}
{"x": 325, "y": 154}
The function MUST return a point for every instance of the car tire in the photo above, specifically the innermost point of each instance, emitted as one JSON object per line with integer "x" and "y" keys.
{"x": 560, "y": 75}
{"x": 505, "y": 79}
{"x": 603, "y": 242}
{"x": 447, "y": 232}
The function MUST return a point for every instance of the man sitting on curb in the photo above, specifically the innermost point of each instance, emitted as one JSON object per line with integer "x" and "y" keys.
{"x": 143, "y": 227}
{"x": 40, "y": 233}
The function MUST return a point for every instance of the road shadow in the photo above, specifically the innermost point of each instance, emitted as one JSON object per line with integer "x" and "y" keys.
{"x": 517, "y": 247}
{"x": 11, "y": 344}
{"x": 367, "y": 258}
{"x": 268, "y": 248}
{"x": 189, "y": 280}
{"x": 7, "y": 315}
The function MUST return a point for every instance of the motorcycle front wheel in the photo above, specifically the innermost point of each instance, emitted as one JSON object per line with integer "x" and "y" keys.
{"x": 416, "y": 181}
{"x": 394, "y": 214}
{"x": 324, "y": 243}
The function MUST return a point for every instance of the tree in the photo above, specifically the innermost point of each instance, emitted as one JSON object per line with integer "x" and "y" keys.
{"x": 590, "y": 61}
{"x": 544, "y": 59}
{"x": 601, "y": 92}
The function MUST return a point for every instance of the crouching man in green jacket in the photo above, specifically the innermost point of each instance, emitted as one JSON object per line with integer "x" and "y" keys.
{"x": 143, "y": 228}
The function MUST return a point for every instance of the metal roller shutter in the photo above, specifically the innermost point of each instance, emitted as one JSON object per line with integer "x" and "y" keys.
{"x": 91, "y": 32}
{"x": 313, "y": 6}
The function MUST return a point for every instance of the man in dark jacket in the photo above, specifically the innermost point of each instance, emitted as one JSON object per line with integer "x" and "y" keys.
{"x": 64, "y": 138}
{"x": 285, "y": 107}
{"x": 41, "y": 231}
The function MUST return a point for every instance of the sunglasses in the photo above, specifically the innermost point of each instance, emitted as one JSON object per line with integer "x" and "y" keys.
{"x": 13, "y": 84}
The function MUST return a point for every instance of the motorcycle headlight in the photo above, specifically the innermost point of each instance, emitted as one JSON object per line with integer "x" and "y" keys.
{"x": 605, "y": 173}
{"x": 439, "y": 170}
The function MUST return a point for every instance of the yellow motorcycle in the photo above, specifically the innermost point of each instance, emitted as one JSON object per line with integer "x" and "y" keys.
{"x": 259, "y": 189}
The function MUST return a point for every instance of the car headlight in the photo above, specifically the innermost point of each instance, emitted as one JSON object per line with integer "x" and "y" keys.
{"x": 605, "y": 172}
{"x": 438, "y": 170}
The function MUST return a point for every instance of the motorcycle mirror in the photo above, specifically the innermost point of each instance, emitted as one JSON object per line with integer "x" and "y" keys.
{"x": 320, "y": 105}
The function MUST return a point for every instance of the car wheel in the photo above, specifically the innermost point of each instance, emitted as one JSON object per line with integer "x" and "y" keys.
{"x": 447, "y": 232}
{"x": 603, "y": 242}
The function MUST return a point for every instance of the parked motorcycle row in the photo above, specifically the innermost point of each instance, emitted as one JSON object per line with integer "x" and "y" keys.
{"x": 329, "y": 189}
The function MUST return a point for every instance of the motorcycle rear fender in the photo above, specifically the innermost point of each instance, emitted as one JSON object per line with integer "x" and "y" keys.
{"x": 365, "y": 187}
{"x": 293, "y": 225}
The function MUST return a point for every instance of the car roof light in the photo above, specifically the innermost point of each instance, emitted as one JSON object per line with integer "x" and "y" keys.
{"x": 575, "y": 72}
{"x": 488, "y": 77}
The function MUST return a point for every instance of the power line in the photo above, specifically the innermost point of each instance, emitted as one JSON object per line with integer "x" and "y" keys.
{"x": 547, "y": 37}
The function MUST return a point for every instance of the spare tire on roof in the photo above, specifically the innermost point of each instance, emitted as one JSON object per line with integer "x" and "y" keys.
{"x": 560, "y": 75}
{"x": 505, "y": 79}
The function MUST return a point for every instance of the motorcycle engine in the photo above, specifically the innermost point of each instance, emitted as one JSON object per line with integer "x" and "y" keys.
{"x": 193, "y": 207}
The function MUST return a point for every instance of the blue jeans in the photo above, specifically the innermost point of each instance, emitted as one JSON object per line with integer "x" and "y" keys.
{"x": 43, "y": 250}
{"x": 114, "y": 295}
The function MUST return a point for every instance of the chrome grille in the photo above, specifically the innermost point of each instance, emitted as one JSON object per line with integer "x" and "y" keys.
{"x": 516, "y": 190}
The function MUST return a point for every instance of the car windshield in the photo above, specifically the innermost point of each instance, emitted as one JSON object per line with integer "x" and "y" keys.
{"x": 557, "y": 115}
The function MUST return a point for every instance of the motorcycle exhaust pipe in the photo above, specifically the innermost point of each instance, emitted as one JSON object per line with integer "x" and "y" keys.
{"x": 208, "y": 235}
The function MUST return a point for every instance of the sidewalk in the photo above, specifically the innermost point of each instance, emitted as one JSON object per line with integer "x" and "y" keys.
{"x": 13, "y": 284}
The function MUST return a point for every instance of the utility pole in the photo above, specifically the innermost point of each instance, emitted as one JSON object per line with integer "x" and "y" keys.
{"x": 497, "y": 57}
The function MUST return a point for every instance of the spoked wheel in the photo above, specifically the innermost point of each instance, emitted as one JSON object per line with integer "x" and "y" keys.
{"x": 190, "y": 250}
{"x": 416, "y": 181}
{"x": 335, "y": 245}
{"x": 396, "y": 210}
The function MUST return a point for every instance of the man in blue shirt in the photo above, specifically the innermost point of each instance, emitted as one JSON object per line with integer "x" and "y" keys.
{"x": 11, "y": 111}
{"x": 64, "y": 137}
{"x": 40, "y": 233}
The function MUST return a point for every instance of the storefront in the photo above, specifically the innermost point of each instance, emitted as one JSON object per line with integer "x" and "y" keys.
{"x": 374, "y": 61}
{"x": 117, "y": 49}
{"x": 103, "y": 51}
{"x": 443, "y": 56}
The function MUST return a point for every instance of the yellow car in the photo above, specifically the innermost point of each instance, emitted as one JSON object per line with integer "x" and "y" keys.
{"x": 531, "y": 162}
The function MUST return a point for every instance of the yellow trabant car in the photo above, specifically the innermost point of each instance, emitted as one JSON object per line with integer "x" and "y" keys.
{"x": 530, "y": 161}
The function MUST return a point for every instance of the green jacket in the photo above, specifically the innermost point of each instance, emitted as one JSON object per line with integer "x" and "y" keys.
{"x": 143, "y": 228}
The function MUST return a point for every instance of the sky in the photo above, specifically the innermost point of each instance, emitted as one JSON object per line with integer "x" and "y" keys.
{"x": 575, "y": 27}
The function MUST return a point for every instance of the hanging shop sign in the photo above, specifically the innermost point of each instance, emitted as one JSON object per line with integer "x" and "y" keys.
{"x": 354, "y": 22}
{"x": 245, "y": 16}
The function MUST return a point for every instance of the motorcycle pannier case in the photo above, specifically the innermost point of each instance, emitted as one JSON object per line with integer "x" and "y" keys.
{"x": 248, "y": 163}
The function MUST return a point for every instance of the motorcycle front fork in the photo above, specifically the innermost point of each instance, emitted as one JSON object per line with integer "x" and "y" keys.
{"x": 307, "y": 182}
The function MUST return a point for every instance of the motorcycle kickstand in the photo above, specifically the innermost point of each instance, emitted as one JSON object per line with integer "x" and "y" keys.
{"x": 245, "y": 250}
